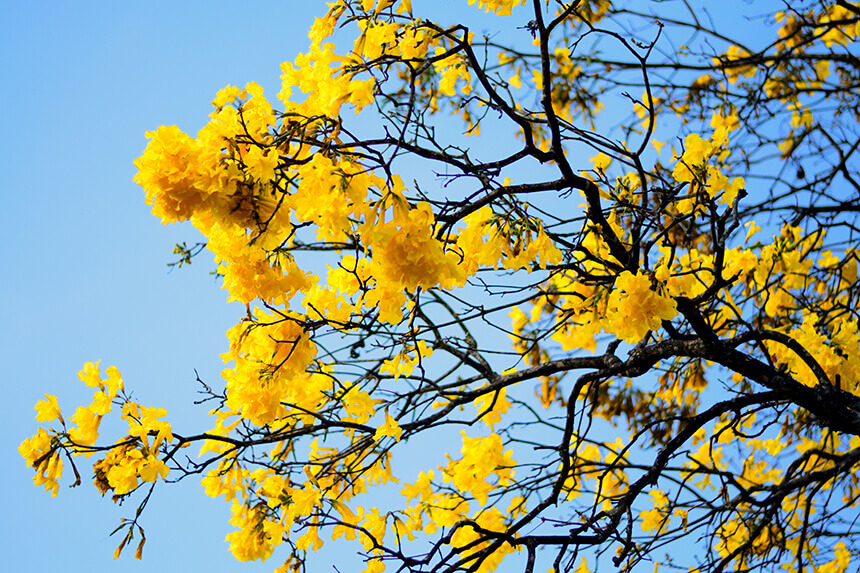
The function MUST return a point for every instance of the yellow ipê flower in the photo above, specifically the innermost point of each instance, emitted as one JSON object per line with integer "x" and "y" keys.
{"x": 635, "y": 307}
{"x": 389, "y": 428}
{"x": 48, "y": 410}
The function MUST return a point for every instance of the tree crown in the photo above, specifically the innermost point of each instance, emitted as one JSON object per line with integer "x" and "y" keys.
{"x": 605, "y": 250}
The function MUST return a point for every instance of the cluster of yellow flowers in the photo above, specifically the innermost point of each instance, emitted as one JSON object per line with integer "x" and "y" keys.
{"x": 122, "y": 469}
{"x": 133, "y": 459}
{"x": 500, "y": 7}
{"x": 694, "y": 166}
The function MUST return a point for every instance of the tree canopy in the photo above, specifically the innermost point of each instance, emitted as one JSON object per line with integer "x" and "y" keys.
{"x": 574, "y": 291}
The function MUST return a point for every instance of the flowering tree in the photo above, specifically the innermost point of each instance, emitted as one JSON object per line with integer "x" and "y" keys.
{"x": 569, "y": 306}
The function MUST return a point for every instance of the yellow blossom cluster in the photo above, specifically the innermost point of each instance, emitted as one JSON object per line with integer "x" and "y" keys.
{"x": 404, "y": 362}
{"x": 634, "y": 307}
{"x": 839, "y": 25}
{"x": 270, "y": 359}
{"x": 693, "y": 167}
{"x": 134, "y": 458}
{"x": 122, "y": 469}
{"x": 312, "y": 73}
{"x": 482, "y": 458}
{"x": 406, "y": 254}
{"x": 491, "y": 406}
{"x": 39, "y": 451}
{"x": 500, "y": 7}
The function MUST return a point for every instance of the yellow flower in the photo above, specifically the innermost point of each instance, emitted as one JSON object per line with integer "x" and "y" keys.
{"x": 151, "y": 467}
{"x": 358, "y": 405}
{"x": 500, "y": 7}
{"x": 406, "y": 254}
{"x": 601, "y": 161}
{"x": 635, "y": 308}
{"x": 735, "y": 53}
{"x": 40, "y": 454}
{"x": 114, "y": 381}
{"x": 375, "y": 566}
{"x": 227, "y": 95}
{"x": 389, "y": 428}
{"x": 653, "y": 519}
{"x": 89, "y": 374}
{"x": 310, "y": 540}
{"x": 374, "y": 523}
{"x": 87, "y": 430}
{"x": 252, "y": 540}
{"x": 101, "y": 404}
{"x": 261, "y": 163}
{"x": 48, "y": 410}
{"x": 422, "y": 487}
{"x": 492, "y": 405}
{"x": 482, "y": 459}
